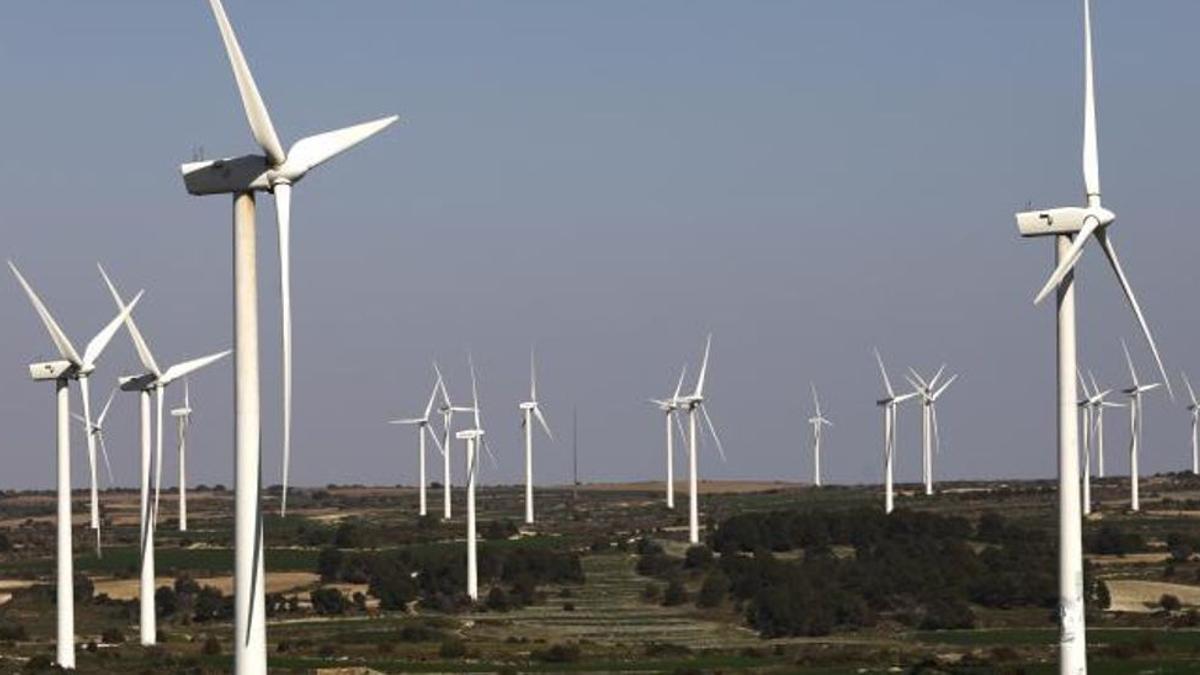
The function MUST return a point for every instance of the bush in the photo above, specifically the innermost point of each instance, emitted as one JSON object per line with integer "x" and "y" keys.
{"x": 497, "y": 600}
{"x": 947, "y": 614}
{"x": 1170, "y": 603}
{"x": 557, "y": 653}
{"x": 452, "y": 648}
{"x": 328, "y": 601}
{"x": 675, "y": 594}
{"x": 698, "y": 557}
{"x": 713, "y": 590}
{"x": 112, "y": 636}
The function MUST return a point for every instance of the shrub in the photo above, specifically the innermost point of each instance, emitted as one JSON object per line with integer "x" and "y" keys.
{"x": 1170, "y": 603}
{"x": 112, "y": 636}
{"x": 557, "y": 653}
{"x": 452, "y": 648}
{"x": 675, "y": 594}
{"x": 497, "y": 600}
{"x": 698, "y": 557}
{"x": 328, "y": 601}
{"x": 713, "y": 590}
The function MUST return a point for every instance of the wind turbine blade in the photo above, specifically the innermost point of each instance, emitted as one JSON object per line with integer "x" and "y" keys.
{"x": 97, "y": 345}
{"x": 712, "y": 430}
{"x": 917, "y": 376}
{"x": 139, "y": 342}
{"x": 79, "y": 418}
{"x": 313, "y": 151}
{"x": 187, "y": 367}
{"x": 816, "y": 401}
{"x": 1111, "y": 252}
{"x": 474, "y": 391}
{"x": 107, "y": 404}
{"x": 945, "y": 386}
{"x": 887, "y": 384}
{"x": 1188, "y": 384}
{"x": 682, "y": 434}
{"x": 703, "y": 367}
{"x": 187, "y": 396}
{"x": 104, "y": 453}
{"x": 61, "y": 341}
{"x": 532, "y": 378}
{"x": 256, "y": 110}
{"x": 436, "y": 441}
{"x": 432, "y": 397}
{"x": 679, "y": 386}
{"x": 1096, "y": 387}
{"x": 537, "y": 412}
{"x": 1091, "y": 153}
{"x": 488, "y": 449}
{"x": 1091, "y": 225}
{"x": 85, "y": 394}
{"x": 937, "y": 438}
{"x": 1082, "y": 384}
{"x": 937, "y": 376}
{"x": 1129, "y": 360}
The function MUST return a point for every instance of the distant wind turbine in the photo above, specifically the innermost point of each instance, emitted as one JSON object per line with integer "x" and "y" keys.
{"x": 422, "y": 425}
{"x": 1135, "y": 393}
{"x": 183, "y": 419}
{"x": 474, "y": 439}
{"x": 931, "y": 441}
{"x": 817, "y": 421}
{"x": 96, "y": 428}
{"x": 530, "y": 410}
{"x": 890, "y": 404}
{"x": 71, "y": 367}
{"x": 1193, "y": 407}
{"x": 670, "y": 406}
{"x": 694, "y": 404}
{"x": 447, "y": 409}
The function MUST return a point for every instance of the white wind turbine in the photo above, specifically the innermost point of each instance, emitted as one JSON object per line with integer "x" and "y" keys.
{"x": 530, "y": 410}
{"x": 694, "y": 404}
{"x": 817, "y": 421}
{"x": 1135, "y": 392}
{"x": 1092, "y": 405}
{"x": 474, "y": 438}
{"x": 931, "y": 441}
{"x": 153, "y": 381}
{"x": 1072, "y": 227}
{"x": 275, "y": 171}
{"x": 183, "y": 418}
{"x": 96, "y": 428}
{"x": 71, "y": 367}
{"x": 670, "y": 406}
{"x": 890, "y": 404}
{"x": 447, "y": 409}
{"x": 422, "y": 425}
{"x": 1194, "y": 408}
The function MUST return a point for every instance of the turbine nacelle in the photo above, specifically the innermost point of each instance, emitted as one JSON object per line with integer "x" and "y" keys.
{"x": 248, "y": 173}
{"x": 51, "y": 370}
{"x": 1064, "y": 220}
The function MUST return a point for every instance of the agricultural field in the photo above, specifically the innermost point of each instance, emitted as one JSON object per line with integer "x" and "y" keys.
{"x": 791, "y": 578}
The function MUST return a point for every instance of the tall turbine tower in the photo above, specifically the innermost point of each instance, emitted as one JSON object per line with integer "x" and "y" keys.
{"x": 183, "y": 419}
{"x": 817, "y": 421}
{"x": 1071, "y": 228}
{"x": 890, "y": 404}
{"x": 275, "y": 171}
{"x": 153, "y": 381}
{"x": 473, "y": 438}
{"x": 670, "y": 406}
{"x": 1135, "y": 393}
{"x": 71, "y": 367}
{"x": 694, "y": 404}
{"x": 1193, "y": 407}
{"x": 422, "y": 425}
{"x": 931, "y": 442}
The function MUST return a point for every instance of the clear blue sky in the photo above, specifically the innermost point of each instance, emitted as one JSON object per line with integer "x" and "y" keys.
{"x": 610, "y": 180}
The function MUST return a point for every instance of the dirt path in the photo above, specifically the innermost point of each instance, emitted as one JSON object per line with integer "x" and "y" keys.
{"x": 1133, "y": 595}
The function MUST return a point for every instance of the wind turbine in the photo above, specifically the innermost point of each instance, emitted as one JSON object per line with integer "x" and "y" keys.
{"x": 447, "y": 409}
{"x": 71, "y": 367}
{"x": 1072, "y": 227}
{"x": 1194, "y": 409}
{"x": 473, "y": 438}
{"x": 153, "y": 381}
{"x": 817, "y": 421}
{"x": 694, "y": 404}
{"x": 96, "y": 428}
{"x": 422, "y": 425}
{"x": 890, "y": 404}
{"x": 931, "y": 441}
{"x": 183, "y": 417}
{"x": 670, "y": 406}
{"x": 1135, "y": 392}
{"x": 274, "y": 172}
{"x": 1093, "y": 405}
{"x": 530, "y": 410}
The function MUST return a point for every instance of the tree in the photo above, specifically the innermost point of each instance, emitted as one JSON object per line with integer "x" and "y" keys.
{"x": 713, "y": 590}
{"x": 698, "y": 557}
{"x": 328, "y": 601}
{"x": 1170, "y": 603}
{"x": 675, "y": 594}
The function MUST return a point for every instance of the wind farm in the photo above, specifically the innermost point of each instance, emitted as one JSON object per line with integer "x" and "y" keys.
{"x": 764, "y": 255}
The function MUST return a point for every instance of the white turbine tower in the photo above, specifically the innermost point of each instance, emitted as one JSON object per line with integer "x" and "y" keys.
{"x": 817, "y": 421}
{"x": 1091, "y": 407}
{"x": 1194, "y": 408}
{"x": 890, "y": 404}
{"x": 1072, "y": 227}
{"x": 1135, "y": 393}
{"x": 71, "y": 367}
{"x": 530, "y": 410}
{"x": 931, "y": 441}
{"x": 96, "y": 428}
{"x": 694, "y": 404}
{"x": 274, "y": 172}
{"x": 422, "y": 425}
{"x": 183, "y": 419}
{"x": 153, "y": 381}
{"x": 1097, "y": 415}
{"x": 447, "y": 409}
{"x": 670, "y": 406}
{"x": 474, "y": 439}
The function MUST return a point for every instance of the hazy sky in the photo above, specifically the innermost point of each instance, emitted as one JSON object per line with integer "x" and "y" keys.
{"x": 610, "y": 180}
